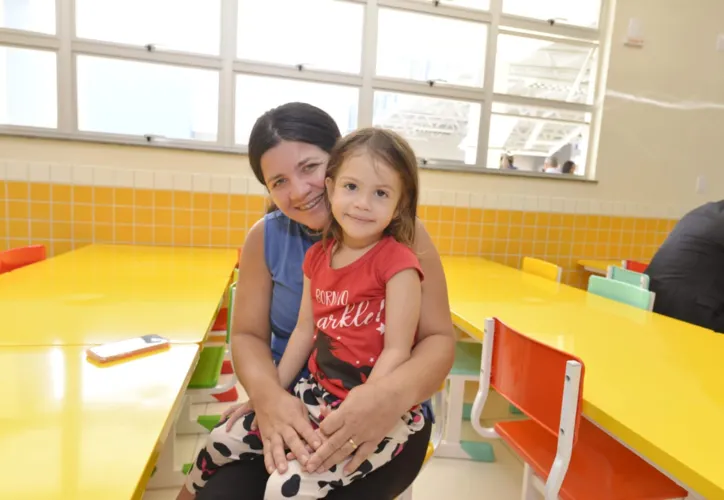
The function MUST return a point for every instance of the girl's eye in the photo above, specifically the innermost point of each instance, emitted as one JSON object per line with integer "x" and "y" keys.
{"x": 350, "y": 186}
{"x": 381, "y": 193}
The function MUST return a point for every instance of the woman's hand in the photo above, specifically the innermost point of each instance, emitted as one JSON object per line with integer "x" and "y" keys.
{"x": 235, "y": 412}
{"x": 365, "y": 417}
{"x": 284, "y": 423}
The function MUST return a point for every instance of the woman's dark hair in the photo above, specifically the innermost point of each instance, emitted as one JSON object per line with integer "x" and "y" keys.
{"x": 388, "y": 147}
{"x": 568, "y": 167}
{"x": 294, "y": 121}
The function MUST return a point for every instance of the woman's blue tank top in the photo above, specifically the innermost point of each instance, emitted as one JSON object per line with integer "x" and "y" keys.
{"x": 285, "y": 244}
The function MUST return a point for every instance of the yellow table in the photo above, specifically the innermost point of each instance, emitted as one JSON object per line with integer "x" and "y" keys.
{"x": 655, "y": 383}
{"x": 598, "y": 266}
{"x": 72, "y": 430}
{"x": 103, "y": 293}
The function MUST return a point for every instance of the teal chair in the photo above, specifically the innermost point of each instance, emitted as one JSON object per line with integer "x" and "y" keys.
{"x": 631, "y": 277}
{"x": 622, "y": 292}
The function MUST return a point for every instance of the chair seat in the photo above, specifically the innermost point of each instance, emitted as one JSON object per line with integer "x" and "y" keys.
{"x": 600, "y": 468}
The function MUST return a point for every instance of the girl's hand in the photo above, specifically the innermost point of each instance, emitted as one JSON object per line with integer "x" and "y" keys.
{"x": 235, "y": 412}
{"x": 365, "y": 417}
{"x": 284, "y": 423}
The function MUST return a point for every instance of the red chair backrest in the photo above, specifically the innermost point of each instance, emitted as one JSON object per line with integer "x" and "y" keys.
{"x": 16, "y": 258}
{"x": 636, "y": 266}
{"x": 531, "y": 376}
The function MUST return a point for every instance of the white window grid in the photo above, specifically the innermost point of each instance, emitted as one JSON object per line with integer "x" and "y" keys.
{"x": 68, "y": 47}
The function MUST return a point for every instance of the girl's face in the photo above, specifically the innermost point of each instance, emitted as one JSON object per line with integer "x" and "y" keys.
{"x": 364, "y": 195}
{"x": 294, "y": 175}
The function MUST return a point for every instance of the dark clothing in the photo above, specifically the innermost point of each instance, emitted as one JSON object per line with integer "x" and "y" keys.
{"x": 246, "y": 480}
{"x": 687, "y": 272}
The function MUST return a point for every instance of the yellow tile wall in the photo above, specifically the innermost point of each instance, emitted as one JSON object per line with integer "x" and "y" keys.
{"x": 65, "y": 217}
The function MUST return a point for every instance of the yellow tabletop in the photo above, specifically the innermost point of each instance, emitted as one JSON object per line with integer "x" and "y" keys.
{"x": 598, "y": 266}
{"x": 70, "y": 429}
{"x": 104, "y": 293}
{"x": 655, "y": 383}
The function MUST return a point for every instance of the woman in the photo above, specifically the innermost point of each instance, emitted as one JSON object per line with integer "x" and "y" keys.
{"x": 288, "y": 151}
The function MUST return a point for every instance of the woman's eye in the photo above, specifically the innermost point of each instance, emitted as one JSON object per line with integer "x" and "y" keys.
{"x": 381, "y": 193}
{"x": 309, "y": 167}
{"x": 278, "y": 183}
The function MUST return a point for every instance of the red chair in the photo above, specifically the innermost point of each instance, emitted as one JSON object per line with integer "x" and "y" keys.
{"x": 574, "y": 458}
{"x": 16, "y": 258}
{"x": 635, "y": 266}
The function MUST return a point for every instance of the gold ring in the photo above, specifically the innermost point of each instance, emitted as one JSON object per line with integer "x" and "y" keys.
{"x": 354, "y": 445}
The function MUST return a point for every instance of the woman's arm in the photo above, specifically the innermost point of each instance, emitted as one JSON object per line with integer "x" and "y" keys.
{"x": 402, "y": 313}
{"x": 371, "y": 410}
{"x": 282, "y": 418}
{"x": 300, "y": 343}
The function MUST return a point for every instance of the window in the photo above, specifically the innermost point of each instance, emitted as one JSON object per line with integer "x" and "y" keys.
{"x": 405, "y": 49}
{"x": 437, "y": 129}
{"x": 146, "y": 99}
{"x": 198, "y": 73}
{"x": 30, "y": 15}
{"x": 257, "y": 94}
{"x": 530, "y": 138}
{"x": 471, "y": 4}
{"x": 575, "y": 12}
{"x": 318, "y": 34}
{"x": 28, "y": 91}
{"x": 531, "y": 67}
{"x": 179, "y": 25}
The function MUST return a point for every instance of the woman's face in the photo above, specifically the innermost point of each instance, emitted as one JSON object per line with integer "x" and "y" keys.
{"x": 294, "y": 175}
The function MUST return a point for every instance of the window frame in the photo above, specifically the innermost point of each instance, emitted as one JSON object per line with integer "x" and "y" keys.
{"x": 68, "y": 47}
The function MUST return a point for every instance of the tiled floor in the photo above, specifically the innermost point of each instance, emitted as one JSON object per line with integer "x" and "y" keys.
{"x": 441, "y": 478}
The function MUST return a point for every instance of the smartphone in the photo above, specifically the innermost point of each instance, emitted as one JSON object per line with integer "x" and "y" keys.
{"x": 126, "y": 348}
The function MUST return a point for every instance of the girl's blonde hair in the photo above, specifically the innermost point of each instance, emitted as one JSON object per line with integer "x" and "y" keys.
{"x": 391, "y": 149}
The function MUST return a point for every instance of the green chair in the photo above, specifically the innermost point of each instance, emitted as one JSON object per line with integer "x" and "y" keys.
{"x": 631, "y": 277}
{"x": 622, "y": 292}
{"x": 204, "y": 382}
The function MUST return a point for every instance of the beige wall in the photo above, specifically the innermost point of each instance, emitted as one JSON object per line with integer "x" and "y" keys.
{"x": 648, "y": 156}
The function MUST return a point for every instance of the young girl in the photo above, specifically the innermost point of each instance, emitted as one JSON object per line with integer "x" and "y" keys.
{"x": 358, "y": 315}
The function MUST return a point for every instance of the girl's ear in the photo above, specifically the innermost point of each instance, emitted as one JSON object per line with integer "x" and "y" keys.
{"x": 329, "y": 183}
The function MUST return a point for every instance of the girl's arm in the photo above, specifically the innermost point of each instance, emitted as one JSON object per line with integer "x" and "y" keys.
{"x": 301, "y": 342}
{"x": 402, "y": 313}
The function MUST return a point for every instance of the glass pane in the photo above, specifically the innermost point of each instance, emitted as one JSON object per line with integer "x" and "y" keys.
{"x": 468, "y": 4}
{"x": 424, "y": 47}
{"x": 28, "y": 88}
{"x": 182, "y": 25}
{"x": 320, "y": 34}
{"x": 577, "y": 12}
{"x": 30, "y": 15}
{"x": 437, "y": 129}
{"x": 531, "y": 141}
{"x": 543, "y": 69}
{"x": 257, "y": 94}
{"x": 137, "y": 98}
